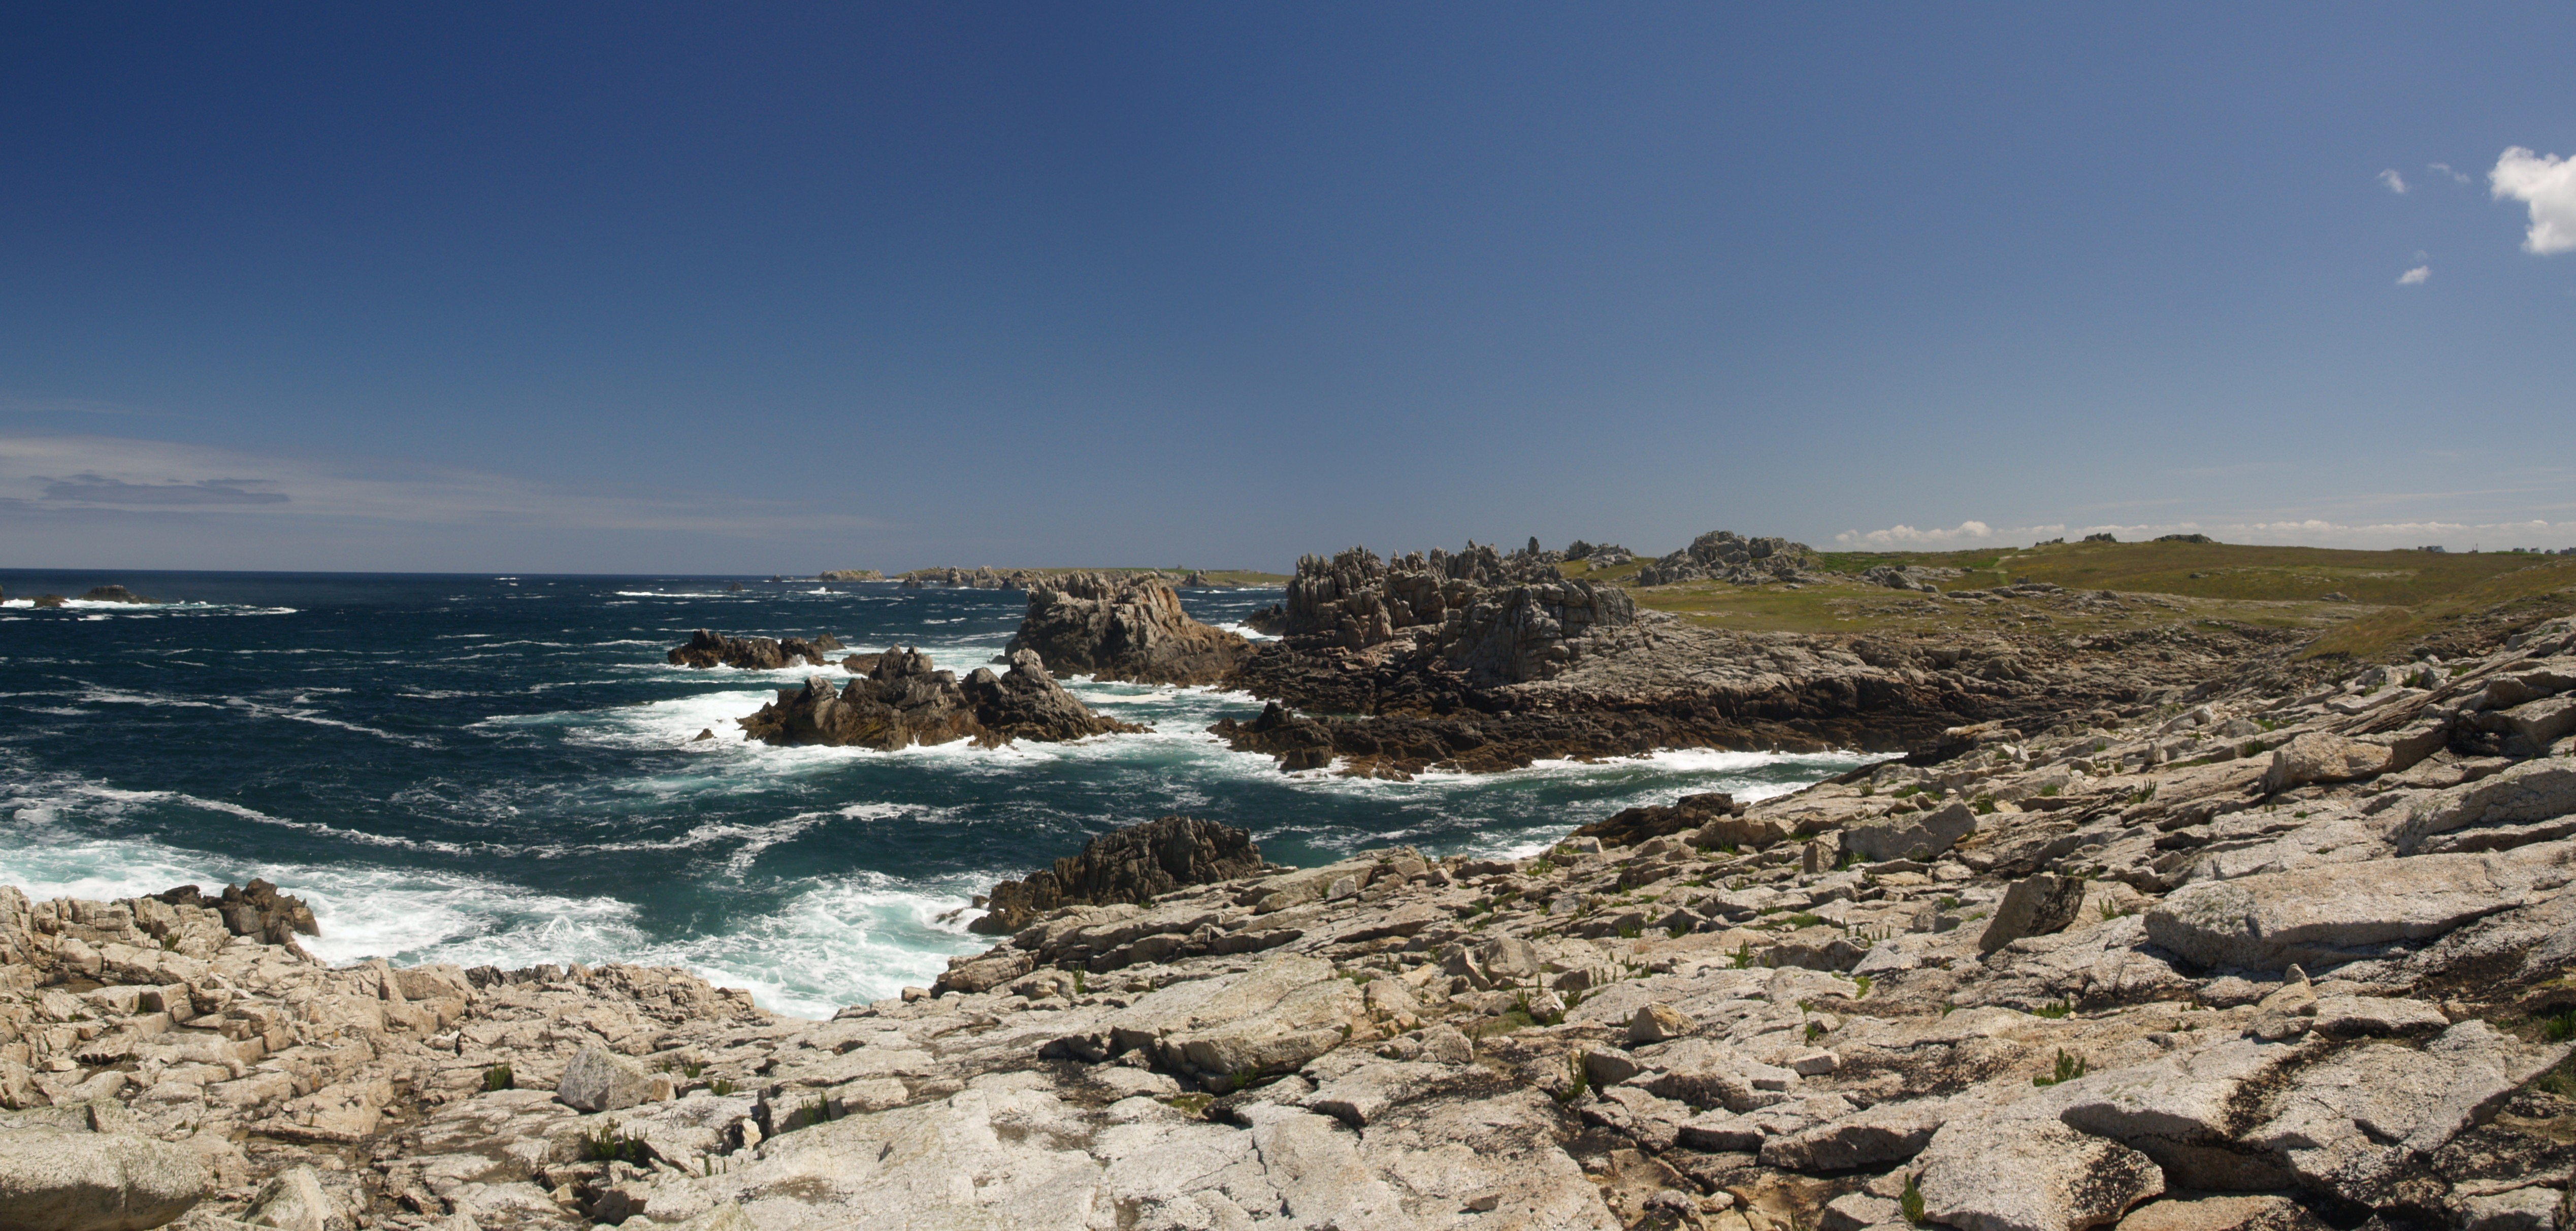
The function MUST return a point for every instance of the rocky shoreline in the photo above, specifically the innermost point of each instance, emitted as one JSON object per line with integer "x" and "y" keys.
{"x": 2235, "y": 959}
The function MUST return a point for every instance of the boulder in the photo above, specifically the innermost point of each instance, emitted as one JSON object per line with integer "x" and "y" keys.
{"x": 1916, "y": 835}
{"x": 2008, "y": 1173}
{"x": 2319, "y": 756}
{"x": 2034, "y": 906}
{"x": 601, "y": 1080}
{"x": 1885, "y": 1133}
{"x": 256, "y": 910}
{"x": 2328, "y": 914}
{"x": 293, "y": 1200}
{"x": 114, "y": 594}
{"x": 81, "y": 1181}
{"x": 1115, "y": 627}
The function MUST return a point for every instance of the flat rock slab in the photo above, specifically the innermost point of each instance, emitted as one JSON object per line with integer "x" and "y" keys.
{"x": 2322, "y": 916}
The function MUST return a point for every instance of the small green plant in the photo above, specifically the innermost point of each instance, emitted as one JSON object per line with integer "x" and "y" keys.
{"x": 2253, "y": 748}
{"x": 1815, "y": 1031}
{"x": 1743, "y": 956}
{"x": 1678, "y": 930}
{"x": 497, "y": 1077}
{"x": 1984, "y": 804}
{"x": 720, "y": 1087}
{"x": 1542, "y": 866}
{"x": 2068, "y": 1069}
{"x": 1862, "y": 981}
{"x": 1581, "y": 1085}
{"x": 1081, "y": 986}
{"x": 2050, "y": 789}
{"x": 692, "y": 1069}
{"x": 1630, "y": 931}
{"x": 2144, "y": 794}
{"x": 2560, "y": 1028}
{"x": 607, "y": 1145}
{"x": 2055, "y": 1010}
{"x": 1948, "y": 901}
{"x": 1910, "y": 1202}
{"x": 1241, "y": 1079}
{"x": 1911, "y": 788}
{"x": 1946, "y": 1006}
{"x": 1804, "y": 920}
{"x": 2101, "y": 745}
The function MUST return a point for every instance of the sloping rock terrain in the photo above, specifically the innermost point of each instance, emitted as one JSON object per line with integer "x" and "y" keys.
{"x": 1117, "y": 627}
{"x": 2213, "y": 965}
{"x": 900, "y": 700}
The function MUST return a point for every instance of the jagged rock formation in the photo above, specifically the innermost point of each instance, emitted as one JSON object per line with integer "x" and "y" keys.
{"x": 114, "y": 594}
{"x": 851, "y": 574}
{"x": 900, "y": 700}
{"x": 1124, "y": 627}
{"x": 713, "y": 649}
{"x": 971, "y": 579}
{"x": 1724, "y": 555}
{"x": 1498, "y": 619}
{"x": 2278, "y": 1003}
{"x": 1134, "y": 865}
{"x": 256, "y": 910}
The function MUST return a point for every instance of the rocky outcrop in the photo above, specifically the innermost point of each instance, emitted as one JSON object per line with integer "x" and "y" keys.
{"x": 1723, "y": 555}
{"x": 1495, "y": 619}
{"x": 114, "y": 594}
{"x": 256, "y": 910}
{"x": 1134, "y": 865}
{"x": 707, "y": 648}
{"x": 972, "y": 579}
{"x": 2265, "y": 1014}
{"x": 851, "y": 574}
{"x": 1119, "y": 627}
{"x": 900, "y": 700}
{"x": 1630, "y": 826}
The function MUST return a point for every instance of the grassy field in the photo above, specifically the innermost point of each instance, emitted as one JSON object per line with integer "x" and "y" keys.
{"x": 2389, "y": 601}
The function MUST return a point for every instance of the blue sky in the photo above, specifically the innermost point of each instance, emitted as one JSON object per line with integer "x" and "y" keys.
{"x": 699, "y": 288}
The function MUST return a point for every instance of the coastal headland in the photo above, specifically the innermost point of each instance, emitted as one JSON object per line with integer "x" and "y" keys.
{"x": 2198, "y": 887}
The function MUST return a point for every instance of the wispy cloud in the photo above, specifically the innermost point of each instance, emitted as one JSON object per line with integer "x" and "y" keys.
{"x": 2444, "y": 168}
{"x": 68, "y": 475}
{"x": 2546, "y": 183}
{"x": 99, "y": 489}
{"x": 2415, "y": 276}
{"x": 2396, "y": 183}
{"x": 2308, "y": 532}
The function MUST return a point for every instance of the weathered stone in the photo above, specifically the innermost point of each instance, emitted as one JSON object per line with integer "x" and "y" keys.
{"x": 2324, "y": 915}
{"x": 2347, "y": 1126}
{"x": 76, "y": 1181}
{"x": 2009, "y": 1174}
{"x": 2034, "y": 906}
{"x": 2321, "y": 757}
{"x": 1886, "y": 1133}
{"x": 1655, "y": 1023}
{"x": 1916, "y": 835}
{"x": 293, "y": 1200}
{"x": 901, "y": 701}
{"x": 2532, "y": 791}
{"x": 601, "y": 1080}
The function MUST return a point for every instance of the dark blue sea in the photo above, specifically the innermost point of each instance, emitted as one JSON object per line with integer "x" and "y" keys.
{"x": 485, "y": 769}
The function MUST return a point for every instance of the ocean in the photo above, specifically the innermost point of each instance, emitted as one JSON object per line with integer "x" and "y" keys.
{"x": 501, "y": 769}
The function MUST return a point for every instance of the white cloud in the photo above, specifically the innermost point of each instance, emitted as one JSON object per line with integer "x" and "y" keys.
{"x": 2547, "y": 184}
{"x": 2414, "y": 276}
{"x": 2309, "y": 532}
{"x": 2457, "y": 177}
{"x": 2396, "y": 183}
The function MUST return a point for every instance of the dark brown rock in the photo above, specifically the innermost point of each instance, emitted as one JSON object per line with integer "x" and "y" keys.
{"x": 1124, "y": 628}
{"x": 114, "y": 594}
{"x": 707, "y": 648}
{"x": 1630, "y": 826}
{"x": 901, "y": 700}
{"x": 256, "y": 910}
{"x": 1134, "y": 864}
